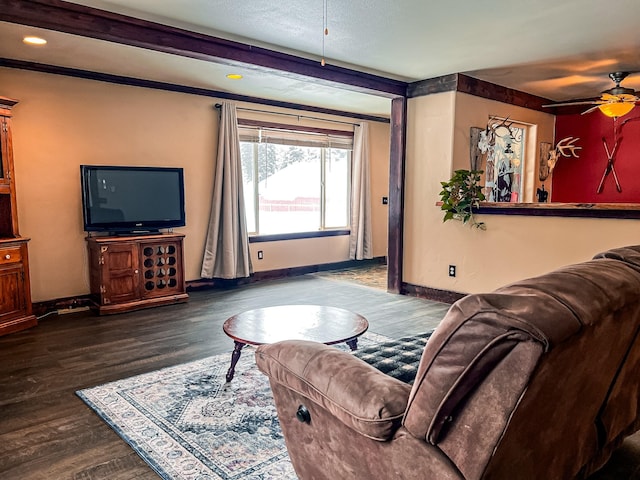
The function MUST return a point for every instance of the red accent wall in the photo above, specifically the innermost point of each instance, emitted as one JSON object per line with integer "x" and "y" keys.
{"x": 576, "y": 180}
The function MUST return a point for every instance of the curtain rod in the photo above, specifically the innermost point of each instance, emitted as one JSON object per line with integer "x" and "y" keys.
{"x": 218, "y": 105}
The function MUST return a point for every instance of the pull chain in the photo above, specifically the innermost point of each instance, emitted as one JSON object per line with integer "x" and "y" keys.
{"x": 326, "y": 29}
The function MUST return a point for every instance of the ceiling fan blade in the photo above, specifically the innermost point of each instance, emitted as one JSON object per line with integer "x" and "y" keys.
{"x": 617, "y": 94}
{"x": 591, "y": 102}
{"x": 589, "y": 110}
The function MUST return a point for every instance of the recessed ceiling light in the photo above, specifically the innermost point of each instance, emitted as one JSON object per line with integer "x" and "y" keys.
{"x": 234, "y": 76}
{"x": 31, "y": 40}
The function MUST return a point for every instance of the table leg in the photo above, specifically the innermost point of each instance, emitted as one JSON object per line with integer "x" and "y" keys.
{"x": 353, "y": 343}
{"x": 235, "y": 356}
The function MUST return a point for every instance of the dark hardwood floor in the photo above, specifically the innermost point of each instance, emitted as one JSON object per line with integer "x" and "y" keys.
{"x": 48, "y": 433}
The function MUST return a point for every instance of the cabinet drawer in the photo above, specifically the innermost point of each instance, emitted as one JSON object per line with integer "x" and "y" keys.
{"x": 10, "y": 255}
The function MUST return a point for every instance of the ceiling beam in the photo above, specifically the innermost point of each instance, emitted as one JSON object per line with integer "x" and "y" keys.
{"x": 112, "y": 27}
{"x": 445, "y": 83}
{"x": 491, "y": 91}
{"x": 459, "y": 82}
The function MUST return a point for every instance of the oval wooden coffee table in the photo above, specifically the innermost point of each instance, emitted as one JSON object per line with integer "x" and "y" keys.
{"x": 328, "y": 325}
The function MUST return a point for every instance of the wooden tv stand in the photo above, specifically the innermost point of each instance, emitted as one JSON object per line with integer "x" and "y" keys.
{"x": 134, "y": 272}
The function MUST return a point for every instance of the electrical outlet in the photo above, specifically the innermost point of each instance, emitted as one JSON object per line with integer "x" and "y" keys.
{"x": 452, "y": 270}
{"x": 260, "y": 255}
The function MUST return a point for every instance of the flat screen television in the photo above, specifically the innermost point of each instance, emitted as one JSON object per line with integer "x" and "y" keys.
{"x": 125, "y": 199}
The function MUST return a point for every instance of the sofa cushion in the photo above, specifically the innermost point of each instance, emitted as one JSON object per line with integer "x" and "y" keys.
{"x": 360, "y": 396}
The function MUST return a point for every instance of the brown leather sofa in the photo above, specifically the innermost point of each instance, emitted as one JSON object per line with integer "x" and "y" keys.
{"x": 537, "y": 380}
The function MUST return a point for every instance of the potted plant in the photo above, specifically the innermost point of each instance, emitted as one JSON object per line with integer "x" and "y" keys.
{"x": 460, "y": 195}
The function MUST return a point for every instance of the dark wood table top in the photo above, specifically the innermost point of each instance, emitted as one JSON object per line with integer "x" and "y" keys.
{"x": 328, "y": 325}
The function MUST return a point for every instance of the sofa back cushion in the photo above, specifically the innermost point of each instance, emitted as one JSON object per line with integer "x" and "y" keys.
{"x": 515, "y": 331}
{"x": 477, "y": 333}
{"x": 619, "y": 414}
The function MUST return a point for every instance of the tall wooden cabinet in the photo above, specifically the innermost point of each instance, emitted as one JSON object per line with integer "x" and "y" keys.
{"x": 15, "y": 291}
{"x": 133, "y": 272}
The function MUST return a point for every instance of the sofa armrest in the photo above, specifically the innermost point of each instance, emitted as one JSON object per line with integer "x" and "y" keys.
{"x": 357, "y": 394}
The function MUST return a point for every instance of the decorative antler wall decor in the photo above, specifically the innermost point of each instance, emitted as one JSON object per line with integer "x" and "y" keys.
{"x": 548, "y": 159}
{"x": 564, "y": 145}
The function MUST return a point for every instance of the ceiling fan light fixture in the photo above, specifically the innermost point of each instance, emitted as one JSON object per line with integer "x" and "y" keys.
{"x": 616, "y": 109}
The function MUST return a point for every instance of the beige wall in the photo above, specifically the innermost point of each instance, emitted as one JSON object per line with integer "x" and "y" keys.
{"x": 430, "y": 122}
{"x": 512, "y": 247}
{"x": 296, "y": 253}
{"x": 379, "y": 148}
{"x": 61, "y": 123}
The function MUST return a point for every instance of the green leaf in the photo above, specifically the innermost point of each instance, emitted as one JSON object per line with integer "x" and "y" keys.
{"x": 460, "y": 195}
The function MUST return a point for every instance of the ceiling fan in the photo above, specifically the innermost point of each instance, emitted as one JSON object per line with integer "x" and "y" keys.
{"x": 614, "y": 102}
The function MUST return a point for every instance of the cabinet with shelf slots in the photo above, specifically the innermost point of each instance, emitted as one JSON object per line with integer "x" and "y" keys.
{"x": 134, "y": 272}
{"x": 16, "y": 311}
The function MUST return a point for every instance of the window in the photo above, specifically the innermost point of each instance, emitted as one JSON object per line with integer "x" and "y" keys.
{"x": 295, "y": 181}
{"x": 504, "y": 144}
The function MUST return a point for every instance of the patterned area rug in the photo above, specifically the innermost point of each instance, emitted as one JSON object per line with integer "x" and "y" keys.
{"x": 374, "y": 276}
{"x": 186, "y": 422}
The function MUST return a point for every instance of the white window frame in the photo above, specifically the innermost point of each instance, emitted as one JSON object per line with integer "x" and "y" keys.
{"x": 313, "y": 137}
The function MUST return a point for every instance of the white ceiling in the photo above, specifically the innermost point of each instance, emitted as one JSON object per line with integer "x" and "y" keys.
{"x": 558, "y": 49}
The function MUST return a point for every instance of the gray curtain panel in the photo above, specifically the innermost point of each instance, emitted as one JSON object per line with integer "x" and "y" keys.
{"x": 360, "y": 241}
{"x": 226, "y": 253}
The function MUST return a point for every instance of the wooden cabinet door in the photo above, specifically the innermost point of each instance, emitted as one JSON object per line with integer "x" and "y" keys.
{"x": 120, "y": 273}
{"x": 12, "y": 293}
